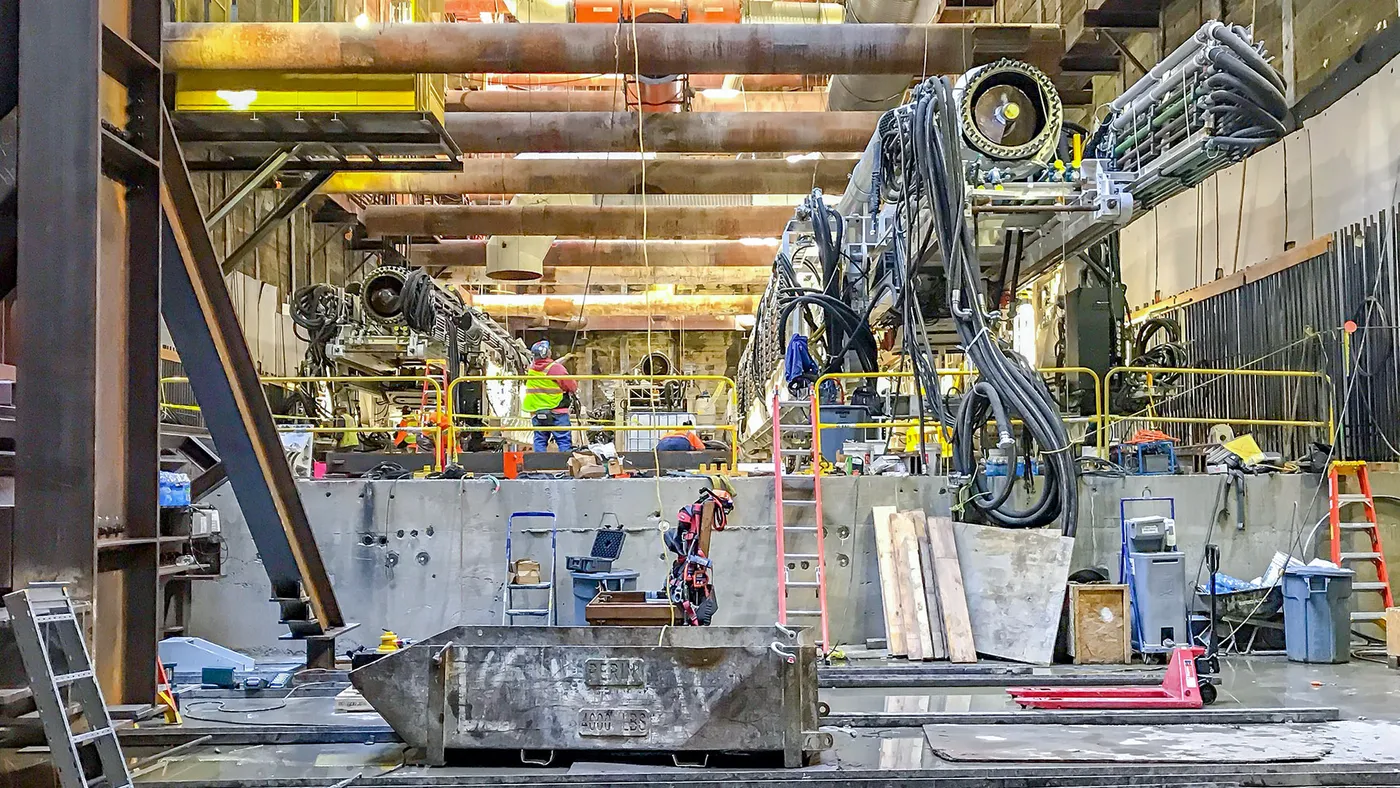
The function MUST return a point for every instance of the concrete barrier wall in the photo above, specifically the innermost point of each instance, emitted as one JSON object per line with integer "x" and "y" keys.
{"x": 435, "y": 556}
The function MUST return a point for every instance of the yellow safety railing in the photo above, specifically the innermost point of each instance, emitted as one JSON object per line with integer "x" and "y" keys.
{"x": 1150, "y": 415}
{"x": 722, "y": 380}
{"x": 817, "y": 426}
{"x": 432, "y": 382}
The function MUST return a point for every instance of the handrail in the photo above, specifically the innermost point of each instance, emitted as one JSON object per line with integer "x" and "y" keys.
{"x": 817, "y": 426}
{"x": 453, "y": 416}
{"x": 278, "y": 379}
{"x": 1109, "y": 418}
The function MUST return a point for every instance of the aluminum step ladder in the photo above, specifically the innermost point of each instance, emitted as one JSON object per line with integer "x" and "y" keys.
{"x": 509, "y": 612}
{"x": 800, "y": 570}
{"x": 1343, "y": 527}
{"x": 56, "y": 660}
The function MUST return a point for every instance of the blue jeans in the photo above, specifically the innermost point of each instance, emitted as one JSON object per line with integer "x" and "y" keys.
{"x": 560, "y": 437}
{"x": 673, "y": 443}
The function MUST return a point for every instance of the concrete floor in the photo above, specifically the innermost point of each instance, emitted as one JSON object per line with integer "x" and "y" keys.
{"x": 1367, "y": 693}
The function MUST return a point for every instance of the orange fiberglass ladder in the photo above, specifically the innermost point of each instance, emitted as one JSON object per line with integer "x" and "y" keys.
{"x": 1342, "y": 553}
{"x": 808, "y": 566}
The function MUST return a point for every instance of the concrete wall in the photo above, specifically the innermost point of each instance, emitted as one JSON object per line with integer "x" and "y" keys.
{"x": 461, "y": 581}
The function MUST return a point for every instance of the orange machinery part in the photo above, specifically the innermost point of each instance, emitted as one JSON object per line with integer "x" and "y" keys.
{"x": 613, "y": 11}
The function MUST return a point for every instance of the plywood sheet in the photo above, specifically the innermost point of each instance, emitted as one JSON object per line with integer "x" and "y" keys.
{"x": 1099, "y": 624}
{"x": 1118, "y": 743}
{"x": 1015, "y": 581}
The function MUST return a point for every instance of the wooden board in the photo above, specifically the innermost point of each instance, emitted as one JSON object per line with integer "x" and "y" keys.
{"x": 1098, "y": 624}
{"x": 889, "y": 585}
{"x": 915, "y": 610}
{"x": 935, "y": 611}
{"x": 952, "y": 599}
{"x": 1392, "y": 632}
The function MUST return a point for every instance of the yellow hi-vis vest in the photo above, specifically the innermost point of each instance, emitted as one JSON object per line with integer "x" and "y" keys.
{"x": 542, "y": 392}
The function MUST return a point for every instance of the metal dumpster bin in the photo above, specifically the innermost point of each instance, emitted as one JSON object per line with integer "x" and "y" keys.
{"x": 1317, "y": 614}
{"x": 701, "y": 690}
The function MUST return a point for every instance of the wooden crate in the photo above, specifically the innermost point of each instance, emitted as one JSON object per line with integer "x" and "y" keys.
{"x": 1099, "y": 624}
{"x": 1392, "y": 636}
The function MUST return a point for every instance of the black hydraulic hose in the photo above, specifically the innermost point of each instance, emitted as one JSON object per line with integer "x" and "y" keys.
{"x": 971, "y": 417}
{"x": 1247, "y": 81}
{"x": 1223, "y": 103}
{"x": 1248, "y": 55}
{"x": 935, "y": 138}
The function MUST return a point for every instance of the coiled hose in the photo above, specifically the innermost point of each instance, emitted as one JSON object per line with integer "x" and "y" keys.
{"x": 1008, "y": 388}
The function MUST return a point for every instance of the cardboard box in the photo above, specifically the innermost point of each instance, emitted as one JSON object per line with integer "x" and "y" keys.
{"x": 525, "y": 572}
{"x": 580, "y": 461}
{"x": 594, "y": 471}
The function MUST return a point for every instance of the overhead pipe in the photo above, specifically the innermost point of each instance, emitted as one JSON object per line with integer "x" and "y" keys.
{"x": 613, "y": 82}
{"x": 498, "y": 176}
{"x": 576, "y": 221}
{"x": 571, "y": 307}
{"x": 852, "y": 90}
{"x": 555, "y": 100}
{"x": 690, "y": 276}
{"x": 545, "y": 100}
{"x": 575, "y": 253}
{"x": 448, "y": 48}
{"x": 691, "y": 132}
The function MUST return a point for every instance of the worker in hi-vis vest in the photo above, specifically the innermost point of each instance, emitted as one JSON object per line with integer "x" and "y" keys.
{"x": 547, "y": 398}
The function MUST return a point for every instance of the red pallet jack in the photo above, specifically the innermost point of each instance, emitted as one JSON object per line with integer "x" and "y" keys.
{"x": 1181, "y": 688}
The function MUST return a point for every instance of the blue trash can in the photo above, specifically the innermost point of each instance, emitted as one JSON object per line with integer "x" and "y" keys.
{"x": 586, "y": 586}
{"x": 1317, "y": 614}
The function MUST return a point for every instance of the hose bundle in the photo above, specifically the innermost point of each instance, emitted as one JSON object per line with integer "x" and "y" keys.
{"x": 1210, "y": 103}
{"x": 844, "y": 330}
{"x": 923, "y": 156}
{"x": 319, "y": 310}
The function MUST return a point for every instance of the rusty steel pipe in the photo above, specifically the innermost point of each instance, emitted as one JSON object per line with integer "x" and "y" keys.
{"x": 685, "y": 132}
{"x": 448, "y": 48}
{"x": 618, "y": 81}
{"x": 577, "y": 253}
{"x": 535, "y": 101}
{"x": 561, "y": 176}
{"x": 561, "y": 100}
{"x": 577, "y": 221}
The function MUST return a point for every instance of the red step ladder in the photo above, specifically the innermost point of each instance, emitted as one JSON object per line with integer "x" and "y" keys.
{"x": 804, "y": 570}
{"x": 1343, "y": 552}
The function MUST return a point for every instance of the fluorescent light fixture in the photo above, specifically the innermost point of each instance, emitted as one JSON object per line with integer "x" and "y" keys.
{"x": 796, "y": 157}
{"x": 719, "y": 94}
{"x": 362, "y": 20}
{"x": 758, "y": 241}
{"x": 745, "y": 322}
{"x": 486, "y": 17}
{"x": 240, "y": 100}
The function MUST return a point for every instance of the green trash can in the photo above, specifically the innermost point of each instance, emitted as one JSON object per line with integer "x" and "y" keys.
{"x": 1317, "y": 614}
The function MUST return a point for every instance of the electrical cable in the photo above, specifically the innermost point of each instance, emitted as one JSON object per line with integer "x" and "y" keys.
{"x": 922, "y": 157}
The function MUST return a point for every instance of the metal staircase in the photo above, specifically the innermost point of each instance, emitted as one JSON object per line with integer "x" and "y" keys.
{"x": 801, "y": 569}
